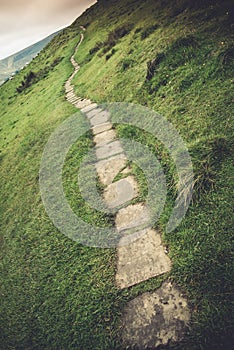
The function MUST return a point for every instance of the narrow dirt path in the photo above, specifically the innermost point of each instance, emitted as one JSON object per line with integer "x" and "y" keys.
{"x": 151, "y": 319}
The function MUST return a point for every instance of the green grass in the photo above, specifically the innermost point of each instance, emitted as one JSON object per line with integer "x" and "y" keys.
{"x": 58, "y": 294}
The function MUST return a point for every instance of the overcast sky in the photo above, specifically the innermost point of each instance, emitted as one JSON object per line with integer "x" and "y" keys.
{"x": 24, "y": 22}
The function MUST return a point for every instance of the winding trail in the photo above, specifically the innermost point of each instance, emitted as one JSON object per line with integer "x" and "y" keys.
{"x": 151, "y": 319}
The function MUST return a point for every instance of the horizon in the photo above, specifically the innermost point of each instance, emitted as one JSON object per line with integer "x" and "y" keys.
{"x": 35, "y": 42}
{"x": 36, "y": 22}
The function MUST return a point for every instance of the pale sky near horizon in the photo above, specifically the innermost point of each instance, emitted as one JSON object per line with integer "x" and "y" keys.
{"x": 25, "y": 22}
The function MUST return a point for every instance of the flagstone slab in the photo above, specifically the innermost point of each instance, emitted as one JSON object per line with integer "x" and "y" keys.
{"x": 83, "y": 103}
{"x": 156, "y": 319}
{"x": 101, "y": 127}
{"x": 100, "y": 118}
{"x": 104, "y": 137}
{"x": 134, "y": 216}
{"x": 141, "y": 259}
{"x": 121, "y": 192}
{"x": 92, "y": 113}
{"x": 108, "y": 169}
{"x": 89, "y": 108}
{"x": 73, "y": 100}
{"x": 109, "y": 150}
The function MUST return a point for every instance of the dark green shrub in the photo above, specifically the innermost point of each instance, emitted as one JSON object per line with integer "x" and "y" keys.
{"x": 114, "y": 36}
{"x": 138, "y": 30}
{"x": 113, "y": 51}
{"x": 184, "y": 42}
{"x": 28, "y": 81}
{"x": 32, "y": 77}
{"x": 206, "y": 158}
{"x": 148, "y": 31}
{"x": 126, "y": 64}
{"x": 108, "y": 47}
{"x": 120, "y": 32}
{"x": 226, "y": 57}
{"x": 56, "y": 61}
{"x": 96, "y": 48}
{"x": 152, "y": 65}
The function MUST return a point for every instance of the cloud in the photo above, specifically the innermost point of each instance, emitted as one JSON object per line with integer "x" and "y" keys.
{"x": 27, "y": 21}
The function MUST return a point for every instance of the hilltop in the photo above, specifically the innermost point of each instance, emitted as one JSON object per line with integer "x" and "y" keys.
{"x": 177, "y": 59}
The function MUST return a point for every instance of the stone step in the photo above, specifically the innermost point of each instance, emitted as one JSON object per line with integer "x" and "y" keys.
{"x": 142, "y": 259}
{"x": 100, "y": 118}
{"x": 89, "y": 108}
{"x": 94, "y": 112}
{"x": 83, "y": 103}
{"x": 108, "y": 169}
{"x": 76, "y": 102}
{"x": 156, "y": 319}
{"x": 134, "y": 216}
{"x": 73, "y": 99}
{"x": 101, "y": 127}
{"x": 104, "y": 137}
{"x": 120, "y": 192}
{"x": 109, "y": 150}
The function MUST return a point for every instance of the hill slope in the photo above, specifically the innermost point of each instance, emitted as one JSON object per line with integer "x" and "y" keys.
{"x": 18, "y": 60}
{"x": 175, "y": 59}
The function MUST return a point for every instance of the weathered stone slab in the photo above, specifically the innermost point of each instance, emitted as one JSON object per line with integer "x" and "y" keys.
{"x": 100, "y": 118}
{"x": 74, "y": 100}
{"x": 109, "y": 150}
{"x": 101, "y": 127}
{"x": 92, "y": 113}
{"x": 75, "y": 103}
{"x": 141, "y": 259}
{"x": 154, "y": 319}
{"x": 71, "y": 97}
{"x": 134, "y": 216}
{"x": 83, "y": 103}
{"x": 108, "y": 169}
{"x": 120, "y": 192}
{"x": 104, "y": 137}
{"x": 73, "y": 62}
{"x": 89, "y": 108}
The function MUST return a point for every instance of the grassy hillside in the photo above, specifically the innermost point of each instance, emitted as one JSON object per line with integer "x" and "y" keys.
{"x": 175, "y": 59}
{"x": 18, "y": 60}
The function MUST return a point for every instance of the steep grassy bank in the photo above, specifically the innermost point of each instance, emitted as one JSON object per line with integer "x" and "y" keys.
{"x": 178, "y": 60}
{"x": 56, "y": 294}
{"x": 52, "y": 289}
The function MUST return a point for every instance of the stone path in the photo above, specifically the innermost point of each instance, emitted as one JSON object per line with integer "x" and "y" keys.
{"x": 151, "y": 319}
